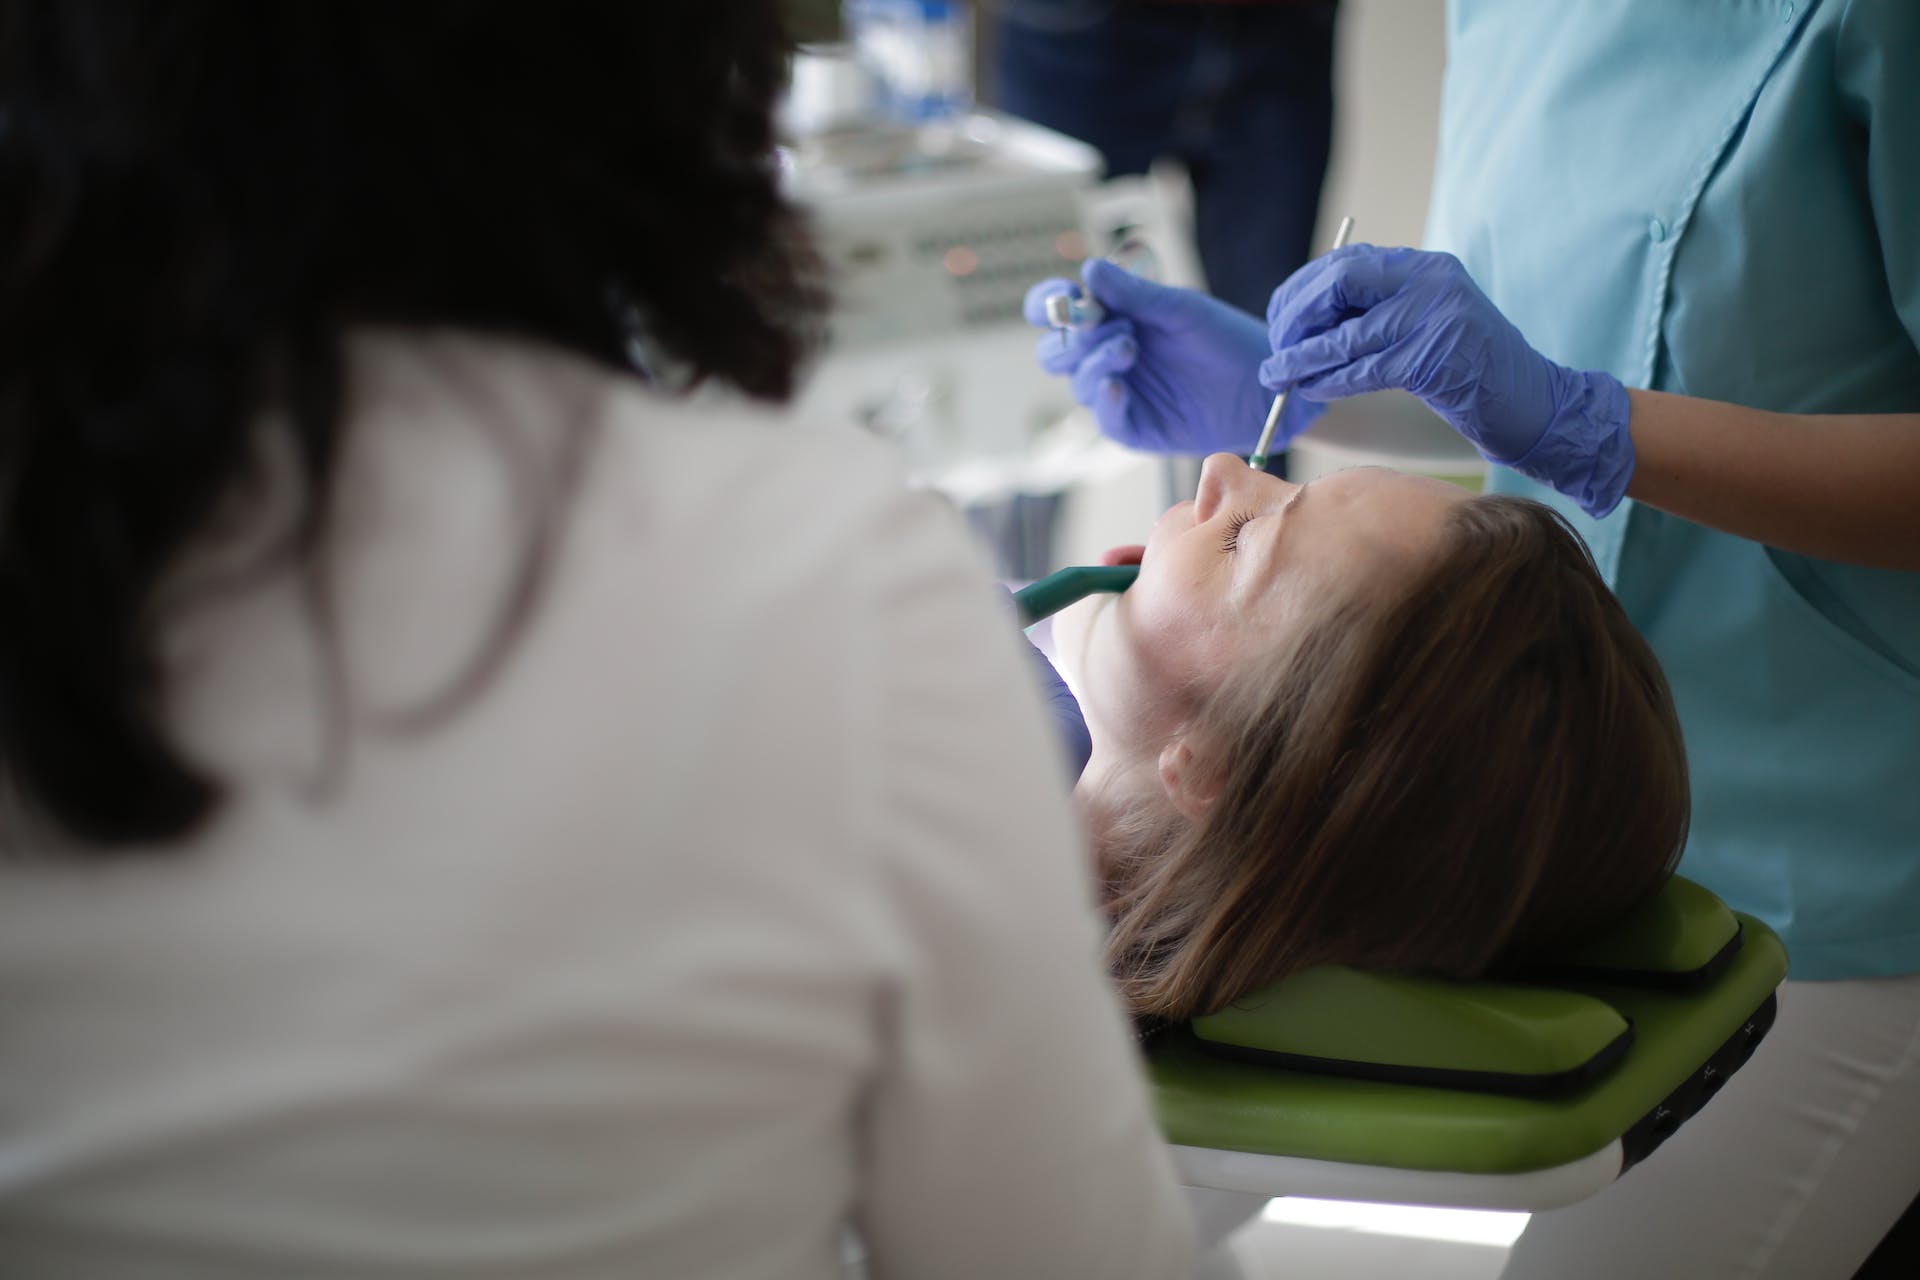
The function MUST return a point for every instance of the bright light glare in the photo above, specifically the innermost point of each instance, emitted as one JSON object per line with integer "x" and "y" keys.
{"x": 1465, "y": 1226}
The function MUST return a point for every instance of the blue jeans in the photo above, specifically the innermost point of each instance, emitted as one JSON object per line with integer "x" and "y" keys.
{"x": 1241, "y": 94}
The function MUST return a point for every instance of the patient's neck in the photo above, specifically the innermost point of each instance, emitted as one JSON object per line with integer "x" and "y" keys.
{"x": 1112, "y": 787}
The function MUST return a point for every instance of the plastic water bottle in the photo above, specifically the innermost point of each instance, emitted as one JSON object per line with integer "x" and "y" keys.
{"x": 919, "y": 54}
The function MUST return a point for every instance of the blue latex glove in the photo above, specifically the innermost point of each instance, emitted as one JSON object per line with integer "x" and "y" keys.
{"x": 1169, "y": 370}
{"x": 1070, "y": 727}
{"x": 1365, "y": 319}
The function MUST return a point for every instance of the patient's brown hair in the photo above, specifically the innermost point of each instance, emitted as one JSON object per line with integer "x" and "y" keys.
{"x": 1446, "y": 780}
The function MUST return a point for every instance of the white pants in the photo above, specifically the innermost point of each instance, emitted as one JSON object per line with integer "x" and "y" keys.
{"x": 1794, "y": 1171}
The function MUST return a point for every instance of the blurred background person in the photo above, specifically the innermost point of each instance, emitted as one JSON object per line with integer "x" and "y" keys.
{"x": 1239, "y": 92}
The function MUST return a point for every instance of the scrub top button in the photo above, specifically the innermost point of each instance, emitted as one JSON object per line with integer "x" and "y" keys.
{"x": 1786, "y": 13}
{"x": 1656, "y": 230}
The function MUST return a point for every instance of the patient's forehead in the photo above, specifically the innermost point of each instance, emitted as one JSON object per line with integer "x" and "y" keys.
{"x": 1382, "y": 497}
{"x": 1201, "y": 617}
{"x": 1362, "y": 529}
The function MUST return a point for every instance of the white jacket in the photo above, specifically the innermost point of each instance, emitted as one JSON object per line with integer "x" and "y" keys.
{"x": 739, "y": 905}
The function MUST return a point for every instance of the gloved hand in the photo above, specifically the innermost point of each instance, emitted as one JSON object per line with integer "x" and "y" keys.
{"x": 1169, "y": 370}
{"x": 1364, "y": 319}
{"x": 1069, "y": 726}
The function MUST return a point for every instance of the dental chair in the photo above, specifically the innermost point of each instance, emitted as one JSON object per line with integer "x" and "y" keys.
{"x": 1520, "y": 1094}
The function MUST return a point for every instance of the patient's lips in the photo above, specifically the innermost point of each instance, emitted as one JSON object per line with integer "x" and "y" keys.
{"x": 1123, "y": 555}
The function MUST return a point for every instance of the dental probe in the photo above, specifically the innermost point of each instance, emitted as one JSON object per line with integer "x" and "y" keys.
{"x": 1056, "y": 591}
{"x": 1258, "y": 460}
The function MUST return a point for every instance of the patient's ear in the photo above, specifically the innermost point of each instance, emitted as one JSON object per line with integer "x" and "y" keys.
{"x": 1190, "y": 785}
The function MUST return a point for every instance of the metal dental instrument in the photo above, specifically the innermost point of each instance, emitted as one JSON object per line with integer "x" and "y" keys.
{"x": 1069, "y": 311}
{"x": 1078, "y": 309}
{"x": 1258, "y": 460}
{"x": 1056, "y": 591}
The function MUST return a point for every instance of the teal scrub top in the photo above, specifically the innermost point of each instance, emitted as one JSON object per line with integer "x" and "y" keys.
{"x": 1721, "y": 198}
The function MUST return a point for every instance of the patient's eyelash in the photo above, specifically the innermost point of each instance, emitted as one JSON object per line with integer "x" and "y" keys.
{"x": 1230, "y": 540}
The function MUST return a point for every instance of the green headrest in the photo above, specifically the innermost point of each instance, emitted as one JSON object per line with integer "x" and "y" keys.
{"x": 1679, "y": 940}
{"x": 1528, "y": 1037}
{"x": 1390, "y": 1026}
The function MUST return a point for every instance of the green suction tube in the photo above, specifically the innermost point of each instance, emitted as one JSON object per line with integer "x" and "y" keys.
{"x": 1056, "y": 591}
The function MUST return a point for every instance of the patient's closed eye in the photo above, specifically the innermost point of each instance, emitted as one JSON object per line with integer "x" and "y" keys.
{"x": 1230, "y": 540}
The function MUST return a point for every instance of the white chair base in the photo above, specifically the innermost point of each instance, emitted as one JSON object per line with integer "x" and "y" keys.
{"x": 1227, "y": 1188}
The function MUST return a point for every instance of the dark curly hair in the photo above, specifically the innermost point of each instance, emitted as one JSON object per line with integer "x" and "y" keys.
{"x": 199, "y": 199}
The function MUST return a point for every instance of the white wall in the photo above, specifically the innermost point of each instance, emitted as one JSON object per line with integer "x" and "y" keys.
{"x": 1388, "y": 59}
{"x": 1389, "y": 55}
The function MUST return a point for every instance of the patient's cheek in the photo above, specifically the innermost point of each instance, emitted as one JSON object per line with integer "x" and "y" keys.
{"x": 1180, "y": 653}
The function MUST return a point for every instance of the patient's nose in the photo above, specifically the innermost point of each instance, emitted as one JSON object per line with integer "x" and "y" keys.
{"x": 1227, "y": 480}
{"x": 1216, "y": 485}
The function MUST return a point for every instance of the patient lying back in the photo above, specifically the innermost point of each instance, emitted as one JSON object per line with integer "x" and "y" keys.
{"x": 1374, "y": 720}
